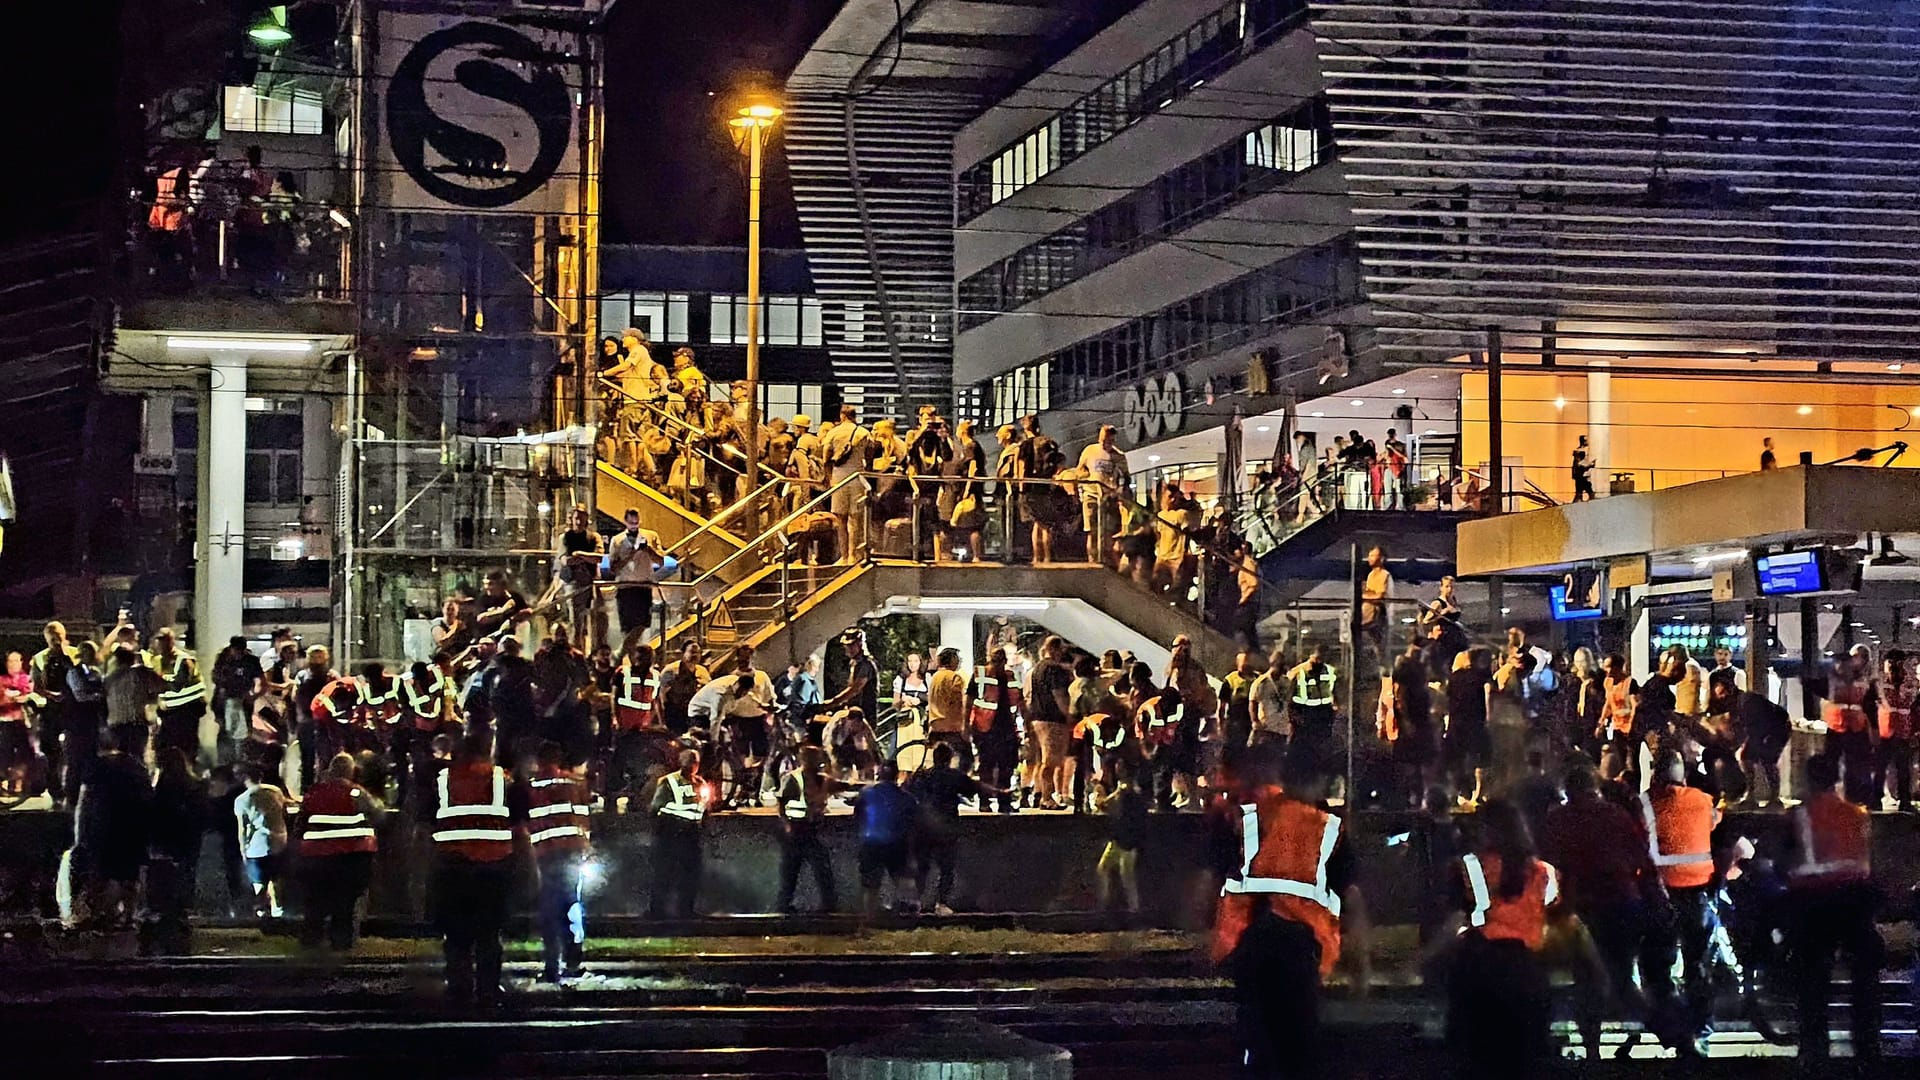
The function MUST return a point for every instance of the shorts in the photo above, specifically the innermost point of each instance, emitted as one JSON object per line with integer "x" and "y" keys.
{"x": 262, "y": 870}
{"x": 878, "y": 860}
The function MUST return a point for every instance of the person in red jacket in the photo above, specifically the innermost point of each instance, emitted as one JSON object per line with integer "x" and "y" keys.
{"x": 337, "y": 842}
{"x": 473, "y": 837}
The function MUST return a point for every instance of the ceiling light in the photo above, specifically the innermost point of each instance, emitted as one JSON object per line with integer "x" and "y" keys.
{"x": 1559, "y": 403}
{"x": 1357, "y": 402}
{"x": 1430, "y": 431}
{"x": 1263, "y": 429}
{"x": 1895, "y": 367}
{"x": 280, "y": 345}
{"x": 1506, "y": 611}
{"x": 1805, "y": 410}
{"x": 270, "y": 29}
{"x": 1718, "y": 556}
{"x": 1399, "y": 389}
{"x": 1153, "y": 457}
{"x": 1916, "y": 412}
{"x": 985, "y": 603}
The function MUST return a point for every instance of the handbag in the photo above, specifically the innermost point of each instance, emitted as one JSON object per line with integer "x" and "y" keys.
{"x": 967, "y": 513}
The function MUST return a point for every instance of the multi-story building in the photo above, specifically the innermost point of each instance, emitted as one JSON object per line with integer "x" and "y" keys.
{"x": 343, "y": 309}
{"x": 1679, "y": 257}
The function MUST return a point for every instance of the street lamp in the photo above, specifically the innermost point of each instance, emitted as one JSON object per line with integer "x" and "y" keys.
{"x": 750, "y": 126}
{"x": 270, "y": 29}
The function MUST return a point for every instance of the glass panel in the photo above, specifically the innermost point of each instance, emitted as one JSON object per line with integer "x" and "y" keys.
{"x": 286, "y": 477}
{"x": 677, "y": 317}
{"x": 783, "y": 320}
{"x": 810, "y": 321}
{"x": 259, "y": 476}
{"x": 616, "y": 313}
{"x": 720, "y": 331}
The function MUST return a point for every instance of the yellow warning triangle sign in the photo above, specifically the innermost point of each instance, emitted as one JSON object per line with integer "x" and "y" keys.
{"x": 720, "y": 629}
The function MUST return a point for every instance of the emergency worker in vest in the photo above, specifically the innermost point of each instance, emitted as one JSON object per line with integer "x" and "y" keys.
{"x": 994, "y": 706}
{"x": 183, "y": 697}
{"x": 1679, "y": 822}
{"x": 638, "y": 727}
{"x": 337, "y": 843}
{"x": 1313, "y": 684}
{"x": 1277, "y": 930}
{"x": 803, "y": 803}
{"x": 679, "y": 806}
{"x": 1831, "y": 900}
{"x": 425, "y": 700}
{"x": 473, "y": 838}
{"x": 1499, "y": 1013}
{"x": 557, "y": 827}
{"x": 1850, "y": 738}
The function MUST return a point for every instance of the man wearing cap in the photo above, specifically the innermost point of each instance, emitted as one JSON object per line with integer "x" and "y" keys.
{"x": 633, "y": 556}
{"x": 861, "y": 687}
{"x": 804, "y": 440}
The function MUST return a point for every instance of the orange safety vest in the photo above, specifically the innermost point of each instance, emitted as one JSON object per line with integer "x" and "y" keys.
{"x": 1102, "y": 729}
{"x": 1285, "y": 846}
{"x": 1620, "y": 705}
{"x": 169, "y": 213}
{"x": 557, "y": 813}
{"x": 634, "y": 698}
{"x": 988, "y": 695}
{"x": 1896, "y": 711}
{"x": 472, "y": 820}
{"x": 1833, "y": 834}
{"x": 371, "y": 710}
{"x": 1679, "y": 823}
{"x": 1157, "y": 729}
{"x": 332, "y": 822}
{"x": 1520, "y": 918}
{"x": 1845, "y": 710}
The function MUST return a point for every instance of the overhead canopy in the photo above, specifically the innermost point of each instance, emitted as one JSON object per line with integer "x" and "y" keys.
{"x": 1677, "y": 525}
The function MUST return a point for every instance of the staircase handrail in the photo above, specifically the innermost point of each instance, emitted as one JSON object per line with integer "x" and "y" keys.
{"x": 777, "y": 531}
{"x": 686, "y": 431}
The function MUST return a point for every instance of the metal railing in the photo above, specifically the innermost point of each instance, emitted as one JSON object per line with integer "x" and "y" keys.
{"x": 209, "y": 238}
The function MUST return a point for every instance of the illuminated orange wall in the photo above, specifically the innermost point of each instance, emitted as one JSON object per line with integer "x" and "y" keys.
{"x": 1675, "y": 430}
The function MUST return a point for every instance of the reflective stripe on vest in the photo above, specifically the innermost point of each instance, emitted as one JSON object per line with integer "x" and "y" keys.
{"x": 1154, "y": 720}
{"x": 686, "y": 802}
{"x": 991, "y": 703}
{"x": 1304, "y": 694}
{"x": 337, "y": 827}
{"x": 1315, "y": 890}
{"x": 1824, "y": 842}
{"x": 1677, "y": 858}
{"x": 572, "y": 816}
{"x": 180, "y": 696}
{"x": 1483, "y": 897}
{"x": 426, "y": 704}
{"x": 628, "y": 699}
{"x": 497, "y": 808}
{"x": 333, "y": 823}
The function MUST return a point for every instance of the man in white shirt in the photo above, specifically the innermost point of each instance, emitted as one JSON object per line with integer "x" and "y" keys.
{"x": 742, "y": 699}
{"x": 633, "y": 556}
{"x": 1105, "y": 470}
{"x": 1267, "y": 698}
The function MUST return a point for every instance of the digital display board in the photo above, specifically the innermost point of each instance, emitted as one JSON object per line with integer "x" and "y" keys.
{"x": 1557, "y": 599}
{"x": 1790, "y": 572}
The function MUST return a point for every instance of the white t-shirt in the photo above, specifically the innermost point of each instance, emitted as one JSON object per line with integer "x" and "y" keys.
{"x": 1107, "y": 466}
{"x": 717, "y": 698}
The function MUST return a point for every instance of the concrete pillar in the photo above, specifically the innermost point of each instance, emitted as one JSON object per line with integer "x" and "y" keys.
{"x": 223, "y": 505}
{"x": 956, "y": 632}
{"x": 319, "y": 468}
{"x": 1600, "y": 423}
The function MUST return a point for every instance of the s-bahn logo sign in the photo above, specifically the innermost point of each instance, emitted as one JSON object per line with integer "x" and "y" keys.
{"x": 479, "y": 115}
{"x": 1154, "y": 408}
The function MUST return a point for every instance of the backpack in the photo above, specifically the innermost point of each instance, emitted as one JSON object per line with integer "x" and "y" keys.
{"x": 1046, "y": 456}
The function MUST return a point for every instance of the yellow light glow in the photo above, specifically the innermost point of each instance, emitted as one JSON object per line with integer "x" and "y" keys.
{"x": 762, "y": 112}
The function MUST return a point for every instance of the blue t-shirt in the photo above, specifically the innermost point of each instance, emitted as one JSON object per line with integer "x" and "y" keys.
{"x": 884, "y": 813}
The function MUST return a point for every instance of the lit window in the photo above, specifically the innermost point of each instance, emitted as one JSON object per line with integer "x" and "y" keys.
{"x": 720, "y": 326}
{"x": 783, "y": 320}
{"x": 616, "y": 313}
{"x": 650, "y": 315}
{"x": 676, "y": 317}
{"x": 1026, "y": 161}
{"x": 810, "y": 321}
{"x": 1283, "y": 147}
{"x": 282, "y": 112}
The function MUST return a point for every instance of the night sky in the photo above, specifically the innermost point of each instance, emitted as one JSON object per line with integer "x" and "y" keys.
{"x": 672, "y": 174}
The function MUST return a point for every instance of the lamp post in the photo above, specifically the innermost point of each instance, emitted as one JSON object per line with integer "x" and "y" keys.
{"x": 750, "y": 125}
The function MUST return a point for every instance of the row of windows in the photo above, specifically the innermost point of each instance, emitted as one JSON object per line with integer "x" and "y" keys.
{"x": 784, "y": 320}
{"x": 284, "y": 111}
{"x": 1178, "y": 67}
{"x": 1289, "y": 292}
{"x": 1228, "y": 174}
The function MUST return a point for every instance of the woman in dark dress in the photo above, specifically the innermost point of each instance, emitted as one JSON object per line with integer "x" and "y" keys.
{"x": 1467, "y": 743}
{"x": 1416, "y": 743}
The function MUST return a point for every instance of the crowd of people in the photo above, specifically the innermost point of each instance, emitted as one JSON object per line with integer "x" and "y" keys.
{"x": 212, "y": 218}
